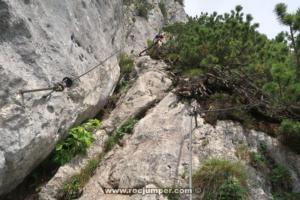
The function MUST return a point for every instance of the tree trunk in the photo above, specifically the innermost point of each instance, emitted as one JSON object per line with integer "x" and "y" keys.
{"x": 296, "y": 52}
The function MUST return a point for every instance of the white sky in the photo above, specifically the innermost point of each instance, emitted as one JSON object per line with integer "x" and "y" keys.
{"x": 261, "y": 10}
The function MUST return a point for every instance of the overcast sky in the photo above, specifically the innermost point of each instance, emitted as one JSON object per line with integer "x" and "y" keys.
{"x": 261, "y": 10}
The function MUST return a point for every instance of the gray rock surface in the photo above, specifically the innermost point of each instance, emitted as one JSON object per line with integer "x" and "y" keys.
{"x": 139, "y": 29}
{"x": 158, "y": 153}
{"x": 42, "y": 42}
{"x": 150, "y": 87}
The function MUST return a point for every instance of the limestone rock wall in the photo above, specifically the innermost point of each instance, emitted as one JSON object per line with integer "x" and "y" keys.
{"x": 41, "y": 42}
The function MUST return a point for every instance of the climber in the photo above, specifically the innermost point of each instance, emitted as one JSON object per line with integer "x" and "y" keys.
{"x": 157, "y": 42}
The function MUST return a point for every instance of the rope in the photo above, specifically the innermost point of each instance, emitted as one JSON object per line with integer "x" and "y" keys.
{"x": 68, "y": 82}
{"x": 96, "y": 66}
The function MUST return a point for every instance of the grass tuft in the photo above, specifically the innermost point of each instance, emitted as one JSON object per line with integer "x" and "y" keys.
{"x": 221, "y": 179}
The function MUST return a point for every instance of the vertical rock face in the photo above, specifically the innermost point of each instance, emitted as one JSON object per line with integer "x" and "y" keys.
{"x": 41, "y": 42}
{"x": 139, "y": 29}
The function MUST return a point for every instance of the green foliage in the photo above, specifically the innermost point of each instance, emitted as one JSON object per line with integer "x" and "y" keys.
{"x": 126, "y": 128}
{"x": 283, "y": 87}
{"x": 257, "y": 160}
{"x": 281, "y": 179}
{"x": 231, "y": 189}
{"x": 72, "y": 188}
{"x": 110, "y": 143}
{"x": 286, "y": 196}
{"x": 143, "y": 8}
{"x": 292, "y": 20}
{"x": 163, "y": 9}
{"x": 78, "y": 140}
{"x": 91, "y": 125}
{"x": 226, "y": 39}
{"x": 126, "y": 64}
{"x": 232, "y": 43}
{"x": 290, "y": 132}
{"x": 196, "y": 72}
{"x": 221, "y": 179}
{"x": 172, "y": 195}
{"x": 118, "y": 134}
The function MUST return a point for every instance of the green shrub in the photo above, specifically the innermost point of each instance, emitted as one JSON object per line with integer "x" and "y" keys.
{"x": 194, "y": 72}
{"x": 257, "y": 160}
{"x": 231, "y": 42}
{"x": 231, "y": 189}
{"x": 118, "y": 134}
{"x": 78, "y": 140}
{"x": 110, "y": 143}
{"x": 126, "y": 64}
{"x": 172, "y": 196}
{"x": 286, "y": 196}
{"x": 91, "y": 125}
{"x": 126, "y": 128}
{"x": 142, "y": 8}
{"x": 163, "y": 9}
{"x": 290, "y": 132}
{"x": 72, "y": 188}
{"x": 281, "y": 179}
{"x": 216, "y": 178}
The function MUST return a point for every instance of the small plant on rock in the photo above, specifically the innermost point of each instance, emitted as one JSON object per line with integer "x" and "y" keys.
{"x": 73, "y": 188}
{"x": 221, "y": 179}
{"x": 257, "y": 160}
{"x": 163, "y": 9}
{"x": 232, "y": 189}
{"x": 281, "y": 179}
{"x": 126, "y": 63}
{"x": 143, "y": 8}
{"x": 118, "y": 134}
{"x": 78, "y": 140}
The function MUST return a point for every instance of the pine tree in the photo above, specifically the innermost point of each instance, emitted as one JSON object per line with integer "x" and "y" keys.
{"x": 293, "y": 22}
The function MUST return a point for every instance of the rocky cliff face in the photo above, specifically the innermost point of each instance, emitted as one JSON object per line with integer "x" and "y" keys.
{"x": 44, "y": 41}
{"x": 157, "y": 153}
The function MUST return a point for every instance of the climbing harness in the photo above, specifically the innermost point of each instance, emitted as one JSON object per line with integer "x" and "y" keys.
{"x": 67, "y": 82}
